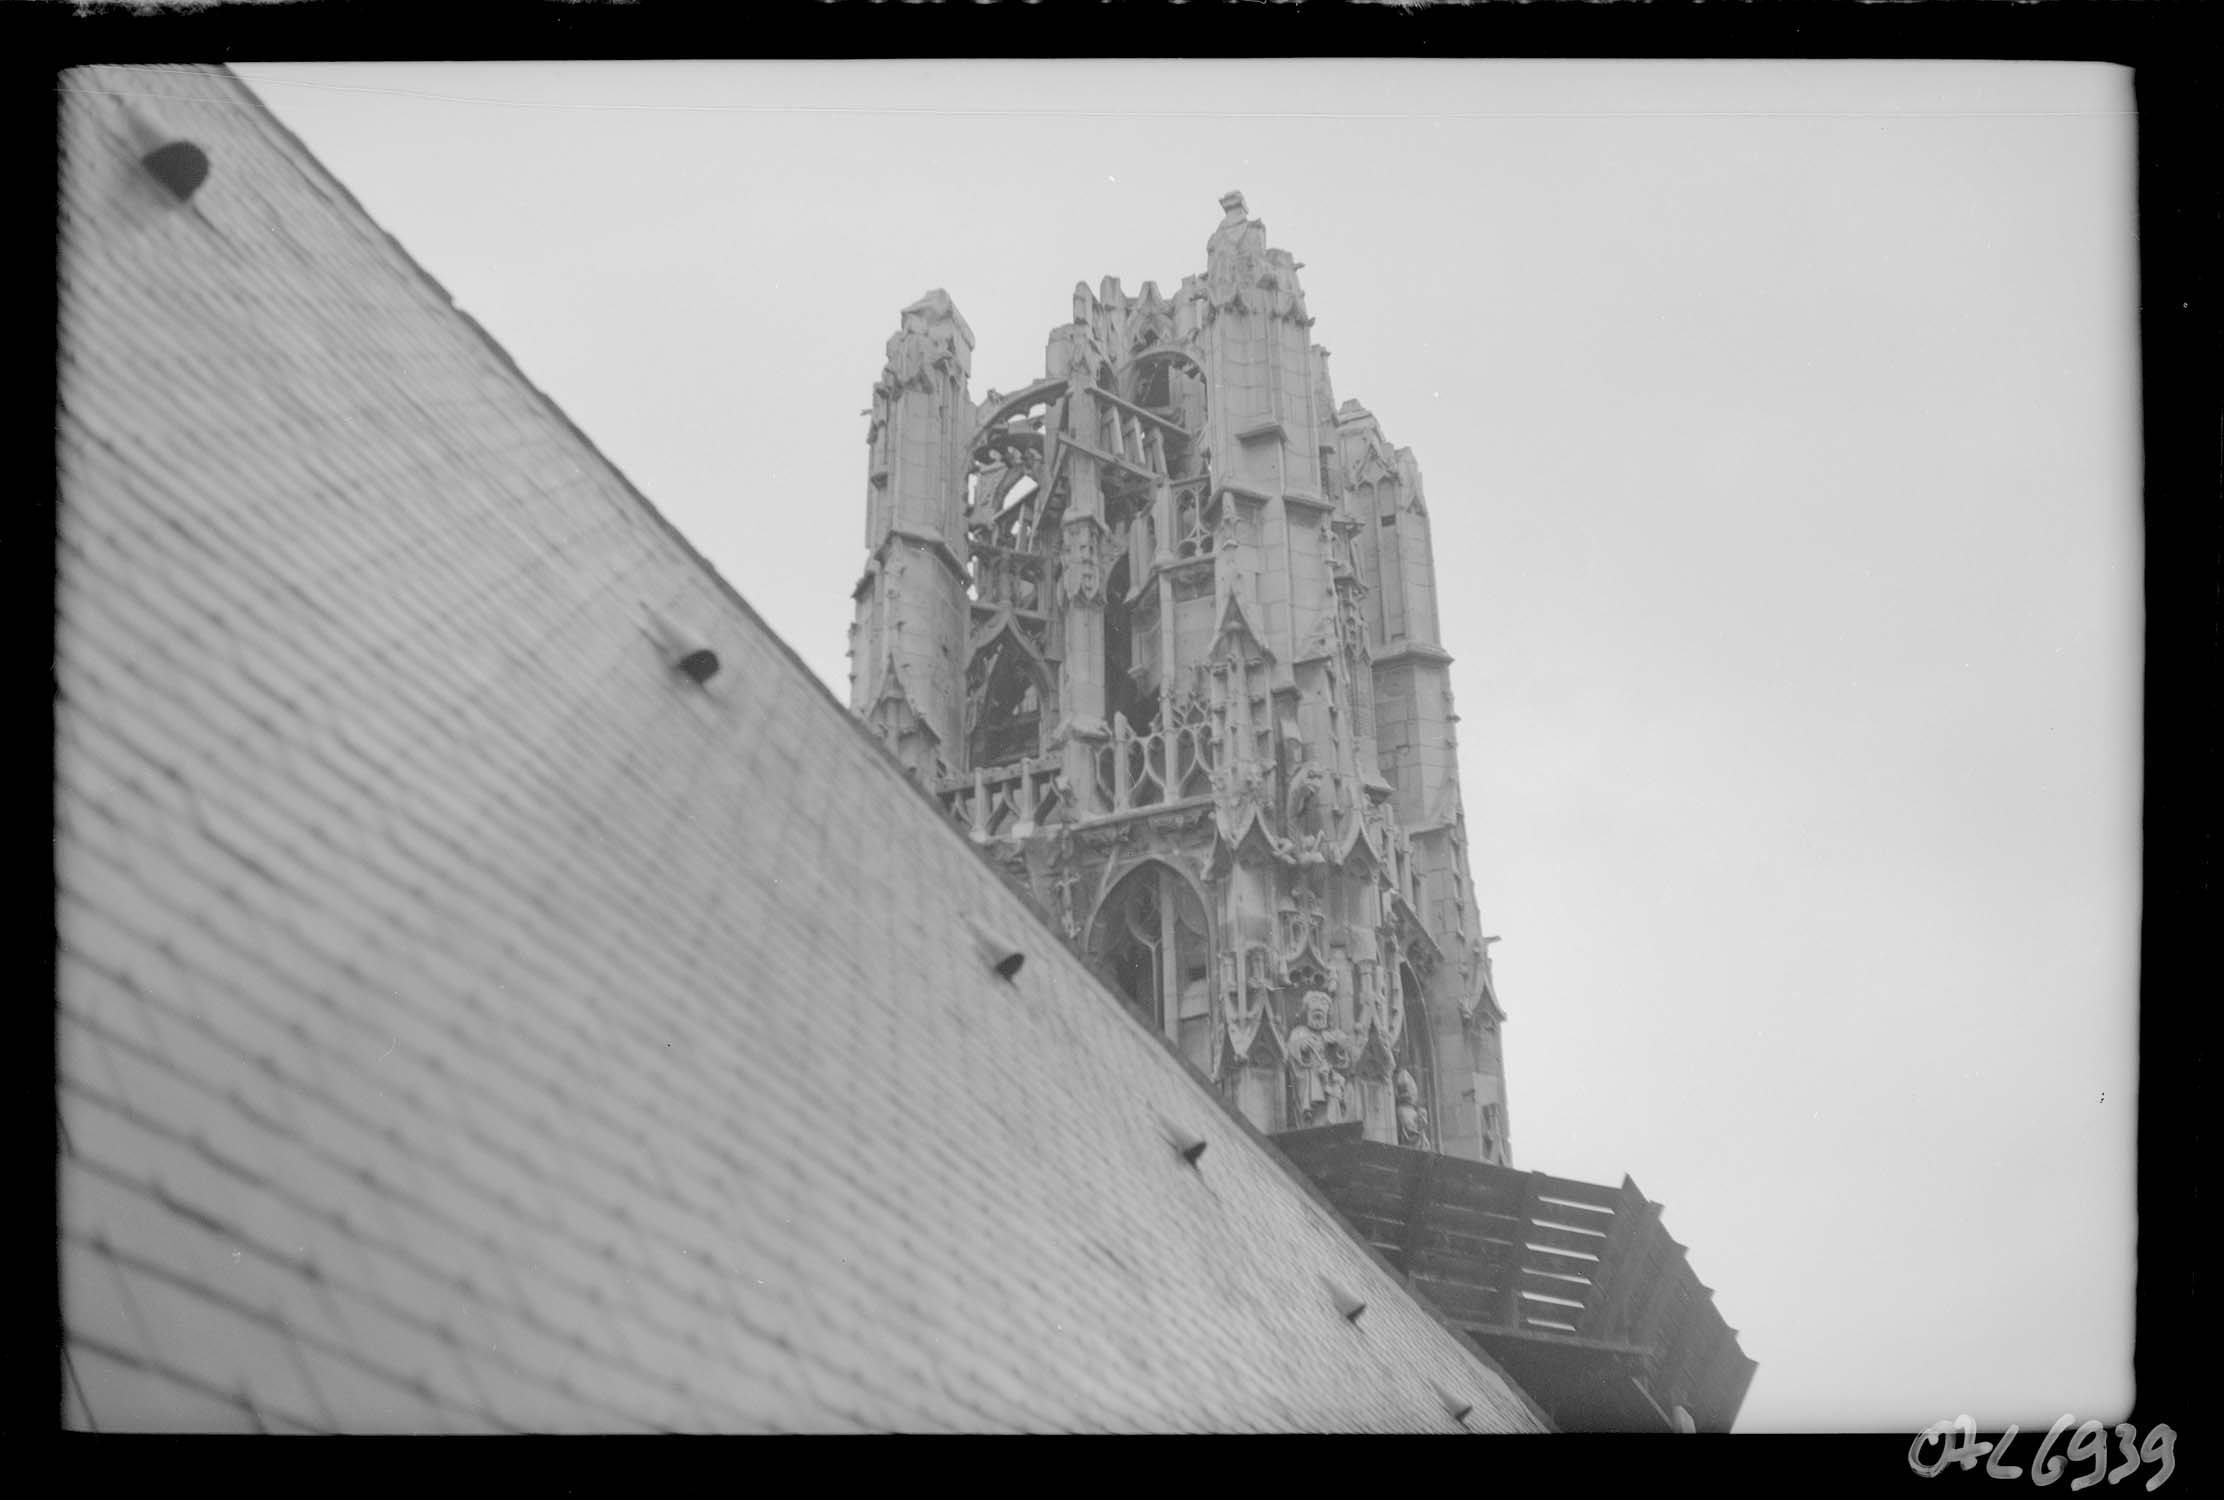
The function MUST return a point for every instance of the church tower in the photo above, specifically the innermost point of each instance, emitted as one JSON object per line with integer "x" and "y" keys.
{"x": 1159, "y": 631}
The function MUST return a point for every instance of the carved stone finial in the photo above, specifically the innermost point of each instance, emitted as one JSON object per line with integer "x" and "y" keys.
{"x": 1231, "y": 203}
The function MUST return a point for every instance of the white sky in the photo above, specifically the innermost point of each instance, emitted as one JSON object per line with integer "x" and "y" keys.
{"x": 1780, "y": 430}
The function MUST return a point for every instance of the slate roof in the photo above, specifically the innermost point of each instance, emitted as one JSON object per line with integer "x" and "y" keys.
{"x": 467, "y": 1023}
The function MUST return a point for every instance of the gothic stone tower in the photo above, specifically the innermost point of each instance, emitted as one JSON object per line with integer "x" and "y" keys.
{"x": 1159, "y": 630}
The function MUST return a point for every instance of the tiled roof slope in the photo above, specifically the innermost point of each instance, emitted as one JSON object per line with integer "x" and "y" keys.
{"x": 467, "y": 1023}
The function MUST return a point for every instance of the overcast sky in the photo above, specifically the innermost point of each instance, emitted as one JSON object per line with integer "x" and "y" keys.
{"x": 1779, "y": 424}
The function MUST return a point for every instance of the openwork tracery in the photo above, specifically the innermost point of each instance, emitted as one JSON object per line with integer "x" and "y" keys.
{"x": 1153, "y": 941}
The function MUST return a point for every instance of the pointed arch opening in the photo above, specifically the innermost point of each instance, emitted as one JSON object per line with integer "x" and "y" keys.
{"x": 1128, "y": 692}
{"x": 1151, "y": 938}
{"x": 1006, "y": 690}
{"x": 1416, "y": 1106}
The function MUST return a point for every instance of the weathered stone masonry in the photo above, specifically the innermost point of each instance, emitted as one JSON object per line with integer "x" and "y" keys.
{"x": 1159, "y": 630}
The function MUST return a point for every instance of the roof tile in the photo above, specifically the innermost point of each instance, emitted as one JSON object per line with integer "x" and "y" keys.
{"x": 470, "y": 1025}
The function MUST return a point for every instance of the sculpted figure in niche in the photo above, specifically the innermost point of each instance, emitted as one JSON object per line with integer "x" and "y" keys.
{"x": 1301, "y": 812}
{"x": 909, "y": 350}
{"x": 1068, "y": 884}
{"x": 1281, "y": 276}
{"x": 1080, "y": 578}
{"x": 1342, "y": 1099}
{"x": 1413, "y": 1120}
{"x": 1306, "y": 924}
{"x": 1258, "y": 989}
{"x": 1316, "y": 1053}
{"x": 876, "y": 436}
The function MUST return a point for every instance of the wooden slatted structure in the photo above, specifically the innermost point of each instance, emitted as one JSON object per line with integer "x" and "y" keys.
{"x": 1574, "y": 1288}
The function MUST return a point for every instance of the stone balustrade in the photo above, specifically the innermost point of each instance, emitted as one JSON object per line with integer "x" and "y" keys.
{"x": 995, "y": 800}
{"x": 1165, "y": 765}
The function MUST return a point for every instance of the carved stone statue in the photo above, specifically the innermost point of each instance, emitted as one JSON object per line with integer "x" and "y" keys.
{"x": 1413, "y": 1120}
{"x": 1317, "y": 1053}
{"x": 1281, "y": 275}
{"x": 1342, "y": 1099}
{"x": 928, "y": 340}
{"x": 1304, "y": 924}
{"x": 1311, "y": 919}
{"x": 1081, "y": 575}
{"x": 909, "y": 351}
{"x": 876, "y": 436}
{"x": 1235, "y": 256}
{"x": 1301, "y": 812}
{"x": 1067, "y": 886}
{"x": 1246, "y": 1004}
